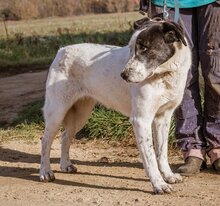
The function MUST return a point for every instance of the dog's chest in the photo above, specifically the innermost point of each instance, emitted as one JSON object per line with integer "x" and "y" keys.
{"x": 171, "y": 89}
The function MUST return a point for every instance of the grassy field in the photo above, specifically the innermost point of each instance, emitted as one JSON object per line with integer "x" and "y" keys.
{"x": 35, "y": 42}
{"x": 102, "y": 23}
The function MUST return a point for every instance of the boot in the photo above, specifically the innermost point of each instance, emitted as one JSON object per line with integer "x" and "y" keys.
{"x": 214, "y": 155}
{"x": 192, "y": 165}
{"x": 216, "y": 165}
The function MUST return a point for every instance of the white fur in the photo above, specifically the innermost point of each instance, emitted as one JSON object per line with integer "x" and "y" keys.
{"x": 83, "y": 74}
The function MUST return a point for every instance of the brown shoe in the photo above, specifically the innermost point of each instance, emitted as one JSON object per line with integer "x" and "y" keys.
{"x": 192, "y": 166}
{"x": 214, "y": 155}
{"x": 216, "y": 165}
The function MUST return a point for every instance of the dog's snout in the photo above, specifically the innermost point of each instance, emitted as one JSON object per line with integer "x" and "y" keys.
{"x": 124, "y": 75}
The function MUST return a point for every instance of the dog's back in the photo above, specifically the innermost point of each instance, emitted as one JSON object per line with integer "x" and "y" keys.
{"x": 92, "y": 70}
{"x": 86, "y": 55}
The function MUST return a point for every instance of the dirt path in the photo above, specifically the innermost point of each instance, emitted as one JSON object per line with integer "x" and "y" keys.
{"x": 19, "y": 90}
{"x": 119, "y": 182}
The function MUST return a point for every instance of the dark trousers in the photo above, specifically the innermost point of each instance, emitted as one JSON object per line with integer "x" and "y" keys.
{"x": 197, "y": 127}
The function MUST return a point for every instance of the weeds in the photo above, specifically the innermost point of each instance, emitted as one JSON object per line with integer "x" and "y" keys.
{"x": 103, "y": 123}
{"x": 31, "y": 114}
{"x": 28, "y": 125}
{"x": 106, "y": 123}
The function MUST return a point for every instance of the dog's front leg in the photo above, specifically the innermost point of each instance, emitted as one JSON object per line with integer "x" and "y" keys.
{"x": 142, "y": 118}
{"x": 161, "y": 127}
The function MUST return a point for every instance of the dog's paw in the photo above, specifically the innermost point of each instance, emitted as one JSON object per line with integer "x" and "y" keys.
{"x": 47, "y": 176}
{"x": 175, "y": 178}
{"x": 163, "y": 188}
{"x": 69, "y": 169}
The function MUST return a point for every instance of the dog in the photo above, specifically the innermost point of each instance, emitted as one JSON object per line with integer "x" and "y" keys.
{"x": 144, "y": 81}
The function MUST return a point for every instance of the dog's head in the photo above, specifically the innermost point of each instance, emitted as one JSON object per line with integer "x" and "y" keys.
{"x": 151, "y": 45}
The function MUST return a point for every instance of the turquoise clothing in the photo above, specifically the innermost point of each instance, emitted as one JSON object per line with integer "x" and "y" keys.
{"x": 183, "y": 3}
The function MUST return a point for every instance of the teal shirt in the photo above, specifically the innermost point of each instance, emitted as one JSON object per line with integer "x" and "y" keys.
{"x": 183, "y": 3}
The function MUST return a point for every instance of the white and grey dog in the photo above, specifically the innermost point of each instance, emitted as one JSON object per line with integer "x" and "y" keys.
{"x": 144, "y": 81}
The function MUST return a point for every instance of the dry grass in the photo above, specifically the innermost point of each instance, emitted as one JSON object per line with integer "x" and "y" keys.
{"x": 78, "y": 24}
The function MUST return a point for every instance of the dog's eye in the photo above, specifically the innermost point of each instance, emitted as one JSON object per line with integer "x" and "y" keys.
{"x": 142, "y": 47}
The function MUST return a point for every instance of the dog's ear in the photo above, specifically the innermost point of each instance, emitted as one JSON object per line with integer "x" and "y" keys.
{"x": 173, "y": 32}
{"x": 141, "y": 23}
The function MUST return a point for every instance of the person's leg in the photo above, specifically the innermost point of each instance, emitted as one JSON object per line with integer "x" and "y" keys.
{"x": 188, "y": 116}
{"x": 209, "y": 51}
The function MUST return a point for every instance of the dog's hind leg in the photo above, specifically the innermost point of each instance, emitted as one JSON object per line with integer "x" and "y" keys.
{"x": 74, "y": 120}
{"x": 161, "y": 127}
{"x": 53, "y": 114}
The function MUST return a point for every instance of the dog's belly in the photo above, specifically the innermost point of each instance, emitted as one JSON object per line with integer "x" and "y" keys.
{"x": 116, "y": 97}
{"x": 123, "y": 107}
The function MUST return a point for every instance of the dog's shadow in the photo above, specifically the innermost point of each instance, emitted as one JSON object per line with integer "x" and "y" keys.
{"x": 31, "y": 173}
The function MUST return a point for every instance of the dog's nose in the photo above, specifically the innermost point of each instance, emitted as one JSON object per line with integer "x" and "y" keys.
{"x": 124, "y": 75}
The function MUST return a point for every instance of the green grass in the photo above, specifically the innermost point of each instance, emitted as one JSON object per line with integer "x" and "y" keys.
{"x": 106, "y": 123}
{"x": 31, "y": 114}
{"x": 40, "y": 51}
{"x": 28, "y": 125}
{"x": 103, "y": 123}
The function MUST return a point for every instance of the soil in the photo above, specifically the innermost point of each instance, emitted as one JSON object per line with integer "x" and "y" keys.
{"x": 17, "y": 91}
{"x": 108, "y": 174}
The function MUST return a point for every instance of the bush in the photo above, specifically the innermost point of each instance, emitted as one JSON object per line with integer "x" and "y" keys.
{"x": 24, "y": 9}
{"x": 8, "y": 14}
